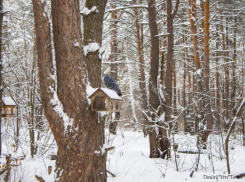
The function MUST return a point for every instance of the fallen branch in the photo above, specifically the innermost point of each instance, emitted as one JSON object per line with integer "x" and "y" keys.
{"x": 39, "y": 178}
{"x": 240, "y": 176}
{"x": 113, "y": 175}
{"x": 8, "y": 167}
{"x": 189, "y": 152}
{"x": 1, "y": 172}
{"x": 110, "y": 148}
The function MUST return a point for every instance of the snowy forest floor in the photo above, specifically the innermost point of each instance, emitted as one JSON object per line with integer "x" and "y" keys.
{"x": 130, "y": 161}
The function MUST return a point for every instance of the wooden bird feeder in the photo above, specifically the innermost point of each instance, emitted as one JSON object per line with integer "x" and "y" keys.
{"x": 104, "y": 99}
{"x": 8, "y": 106}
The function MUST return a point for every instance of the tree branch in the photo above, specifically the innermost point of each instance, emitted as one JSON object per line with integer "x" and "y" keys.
{"x": 39, "y": 178}
{"x": 176, "y": 8}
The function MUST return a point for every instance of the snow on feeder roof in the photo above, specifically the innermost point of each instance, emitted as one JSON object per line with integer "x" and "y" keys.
{"x": 8, "y": 101}
{"x": 8, "y": 107}
{"x": 110, "y": 93}
{"x": 104, "y": 99}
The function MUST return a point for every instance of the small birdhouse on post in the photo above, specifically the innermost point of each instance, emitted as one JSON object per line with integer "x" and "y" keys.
{"x": 104, "y": 99}
{"x": 8, "y": 106}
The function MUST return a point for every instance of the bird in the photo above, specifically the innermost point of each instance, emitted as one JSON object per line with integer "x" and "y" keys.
{"x": 110, "y": 83}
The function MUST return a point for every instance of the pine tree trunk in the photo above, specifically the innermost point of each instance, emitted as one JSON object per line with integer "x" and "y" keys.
{"x": 74, "y": 127}
{"x": 217, "y": 78}
{"x": 234, "y": 80}
{"x": 168, "y": 81}
{"x": 226, "y": 69}
{"x": 207, "y": 102}
{"x": 113, "y": 58}
{"x": 165, "y": 143}
{"x": 1, "y": 67}
{"x": 154, "y": 63}
{"x": 192, "y": 11}
{"x": 183, "y": 125}
{"x": 94, "y": 21}
{"x": 142, "y": 85}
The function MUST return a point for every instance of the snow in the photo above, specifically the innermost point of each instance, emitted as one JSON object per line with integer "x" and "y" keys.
{"x": 76, "y": 44}
{"x": 162, "y": 118}
{"x": 89, "y": 90}
{"x": 193, "y": 18}
{"x": 91, "y": 47}
{"x": 130, "y": 161}
{"x": 111, "y": 93}
{"x": 87, "y": 11}
{"x": 8, "y": 101}
{"x": 199, "y": 72}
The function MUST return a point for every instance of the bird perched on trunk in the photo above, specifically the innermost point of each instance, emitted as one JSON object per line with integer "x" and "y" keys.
{"x": 111, "y": 84}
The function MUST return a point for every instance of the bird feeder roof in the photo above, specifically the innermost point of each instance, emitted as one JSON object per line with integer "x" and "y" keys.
{"x": 8, "y": 101}
{"x": 108, "y": 92}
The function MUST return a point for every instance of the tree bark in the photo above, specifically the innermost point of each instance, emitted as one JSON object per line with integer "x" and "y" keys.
{"x": 207, "y": 102}
{"x": 226, "y": 70}
{"x": 192, "y": 12}
{"x": 184, "y": 99}
{"x": 73, "y": 125}
{"x": 165, "y": 143}
{"x": 169, "y": 75}
{"x": 217, "y": 78}
{"x": 94, "y": 22}
{"x": 1, "y": 67}
{"x": 234, "y": 80}
{"x": 142, "y": 84}
{"x": 113, "y": 58}
{"x": 154, "y": 63}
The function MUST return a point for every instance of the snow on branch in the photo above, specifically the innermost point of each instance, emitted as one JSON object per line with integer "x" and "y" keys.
{"x": 199, "y": 72}
{"x": 86, "y": 11}
{"x": 89, "y": 90}
{"x": 127, "y": 7}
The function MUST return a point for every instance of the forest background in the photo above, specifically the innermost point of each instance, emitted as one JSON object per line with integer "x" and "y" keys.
{"x": 179, "y": 65}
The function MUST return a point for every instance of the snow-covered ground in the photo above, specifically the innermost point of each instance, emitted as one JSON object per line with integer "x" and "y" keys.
{"x": 130, "y": 161}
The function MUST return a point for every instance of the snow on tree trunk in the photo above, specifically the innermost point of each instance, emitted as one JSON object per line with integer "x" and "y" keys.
{"x": 74, "y": 127}
{"x": 93, "y": 25}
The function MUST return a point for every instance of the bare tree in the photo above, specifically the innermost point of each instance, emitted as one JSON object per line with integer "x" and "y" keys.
{"x": 165, "y": 143}
{"x": 142, "y": 83}
{"x": 207, "y": 102}
{"x": 114, "y": 58}
{"x": 153, "y": 92}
